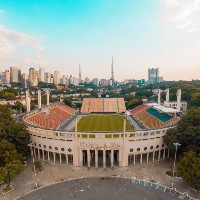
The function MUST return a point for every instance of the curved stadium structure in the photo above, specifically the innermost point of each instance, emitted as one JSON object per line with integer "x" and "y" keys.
{"x": 101, "y": 135}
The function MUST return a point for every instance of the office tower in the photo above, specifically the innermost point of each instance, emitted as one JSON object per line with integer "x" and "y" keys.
{"x": 15, "y": 74}
{"x": 33, "y": 77}
{"x": 75, "y": 81}
{"x": 95, "y": 81}
{"x": 24, "y": 80}
{"x": 47, "y": 77}
{"x": 104, "y": 82}
{"x": 51, "y": 78}
{"x": 112, "y": 73}
{"x": 87, "y": 80}
{"x": 56, "y": 79}
{"x": 5, "y": 77}
{"x": 153, "y": 74}
{"x": 41, "y": 74}
{"x": 79, "y": 81}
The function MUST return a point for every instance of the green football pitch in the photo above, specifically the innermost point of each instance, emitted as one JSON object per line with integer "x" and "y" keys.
{"x": 103, "y": 123}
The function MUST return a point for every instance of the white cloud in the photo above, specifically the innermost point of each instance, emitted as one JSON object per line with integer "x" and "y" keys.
{"x": 180, "y": 13}
{"x": 10, "y": 40}
{"x": 36, "y": 61}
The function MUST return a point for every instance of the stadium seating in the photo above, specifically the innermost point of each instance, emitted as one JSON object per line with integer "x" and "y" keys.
{"x": 161, "y": 116}
{"x": 152, "y": 120}
{"x": 99, "y": 105}
{"x": 52, "y": 117}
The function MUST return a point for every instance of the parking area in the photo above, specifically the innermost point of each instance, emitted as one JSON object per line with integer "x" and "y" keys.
{"x": 56, "y": 172}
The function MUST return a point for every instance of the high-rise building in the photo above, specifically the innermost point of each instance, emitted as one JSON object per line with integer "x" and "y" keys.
{"x": 87, "y": 80}
{"x": 15, "y": 74}
{"x": 47, "y": 77}
{"x": 56, "y": 79}
{"x": 24, "y": 80}
{"x": 153, "y": 75}
{"x": 95, "y": 81}
{"x": 5, "y": 77}
{"x": 33, "y": 77}
{"x": 112, "y": 73}
{"x": 41, "y": 74}
{"x": 79, "y": 80}
{"x": 104, "y": 82}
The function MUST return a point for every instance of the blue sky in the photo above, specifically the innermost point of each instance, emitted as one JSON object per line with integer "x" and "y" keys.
{"x": 58, "y": 34}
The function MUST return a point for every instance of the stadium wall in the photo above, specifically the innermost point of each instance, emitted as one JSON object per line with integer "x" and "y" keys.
{"x": 82, "y": 149}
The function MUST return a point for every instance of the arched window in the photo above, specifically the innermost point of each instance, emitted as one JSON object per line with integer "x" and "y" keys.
{"x": 151, "y": 147}
{"x": 45, "y": 146}
{"x": 39, "y": 145}
{"x": 131, "y": 150}
{"x": 157, "y": 146}
{"x": 138, "y": 149}
{"x": 145, "y": 148}
{"x": 62, "y": 149}
{"x": 69, "y": 150}
{"x": 56, "y": 148}
{"x": 163, "y": 145}
{"x": 50, "y": 147}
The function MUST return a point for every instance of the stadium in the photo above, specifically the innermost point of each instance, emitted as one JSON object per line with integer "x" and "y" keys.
{"x": 103, "y": 133}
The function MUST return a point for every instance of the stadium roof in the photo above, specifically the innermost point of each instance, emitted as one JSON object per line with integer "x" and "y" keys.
{"x": 163, "y": 108}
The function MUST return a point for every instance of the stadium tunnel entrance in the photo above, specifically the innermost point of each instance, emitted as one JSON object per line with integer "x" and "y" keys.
{"x": 99, "y": 158}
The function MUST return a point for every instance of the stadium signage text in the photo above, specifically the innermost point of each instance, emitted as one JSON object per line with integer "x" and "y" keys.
{"x": 99, "y": 145}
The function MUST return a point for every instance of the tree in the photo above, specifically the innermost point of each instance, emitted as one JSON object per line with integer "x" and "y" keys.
{"x": 68, "y": 101}
{"x": 187, "y": 132}
{"x": 10, "y": 171}
{"x": 134, "y": 102}
{"x": 195, "y": 99}
{"x": 189, "y": 167}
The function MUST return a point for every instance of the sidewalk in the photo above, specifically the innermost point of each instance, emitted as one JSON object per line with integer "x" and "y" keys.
{"x": 54, "y": 172}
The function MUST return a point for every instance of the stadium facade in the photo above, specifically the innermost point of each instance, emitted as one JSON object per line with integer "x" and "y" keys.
{"x": 52, "y": 142}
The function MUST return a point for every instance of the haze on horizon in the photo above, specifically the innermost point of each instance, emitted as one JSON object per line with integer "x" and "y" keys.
{"x": 59, "y": 34}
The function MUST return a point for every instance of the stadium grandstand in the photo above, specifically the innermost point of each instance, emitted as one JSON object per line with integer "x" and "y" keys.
{"x": 103, "y": 105}
{"x": 51, "y": 117}
{"x": 152, "y": 117}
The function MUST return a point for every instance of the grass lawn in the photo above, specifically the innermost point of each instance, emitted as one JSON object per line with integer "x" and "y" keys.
{"x": 103, "y": 123}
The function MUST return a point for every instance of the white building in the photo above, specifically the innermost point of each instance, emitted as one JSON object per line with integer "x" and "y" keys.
{"x": 56, "y": 79}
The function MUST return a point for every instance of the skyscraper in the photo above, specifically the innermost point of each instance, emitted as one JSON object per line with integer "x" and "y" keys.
{"x": 153, "y": 75}
{"x": 41, "y": 74}
{"x": 56, "y": 79}
{"x": 79, "y": 80}
{"x": 112, "y": 73}
{"x": 33, "y": 77}
{"x": 15, "y": 74}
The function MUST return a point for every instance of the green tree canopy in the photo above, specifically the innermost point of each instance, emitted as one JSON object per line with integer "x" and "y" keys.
{"x": 189, "y": 167}
{"x": 187, "y": 133}
{"x": 68, "y": 101}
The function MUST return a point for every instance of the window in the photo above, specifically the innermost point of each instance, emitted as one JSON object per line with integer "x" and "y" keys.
{"x": 56, "y": 148}
{"x": 163, "y": 145}
{"x": 151, "y": 147}
{"x": 157, "y": 146}
{"x": 62, "y": 149}
{"x": 138, "y": 149}
{"x": 131, "y": 150}
{"x": 45, "y": 146}
{"x": 50, "y": 147}
{"x": 39, "y": 145}
{"x": 69, "y": 150}
{"x": 145, "y": 148}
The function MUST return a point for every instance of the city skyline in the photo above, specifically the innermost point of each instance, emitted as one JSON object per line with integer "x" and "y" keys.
{"x": 57, "y": 35}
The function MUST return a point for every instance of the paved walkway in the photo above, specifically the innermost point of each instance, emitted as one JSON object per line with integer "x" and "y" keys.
{"x": 54, "y": 172}
{"x": 135, "y": 124}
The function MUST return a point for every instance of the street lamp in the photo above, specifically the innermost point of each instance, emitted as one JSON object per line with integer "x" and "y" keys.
{"x": 32, "y": 154}
{"x": 176, "y": 145}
